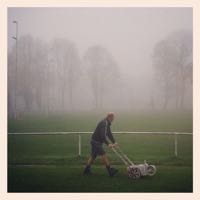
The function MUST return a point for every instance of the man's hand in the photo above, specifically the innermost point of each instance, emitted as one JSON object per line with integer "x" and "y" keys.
{"x": 110, "y": 146}
{"x": 115, "y": 144}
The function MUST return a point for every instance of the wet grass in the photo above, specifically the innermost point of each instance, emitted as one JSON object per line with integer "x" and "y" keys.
{"x": 50, "y": 163}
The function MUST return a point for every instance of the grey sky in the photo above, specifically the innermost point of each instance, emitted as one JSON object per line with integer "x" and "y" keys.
{"x": 128, "y": 33}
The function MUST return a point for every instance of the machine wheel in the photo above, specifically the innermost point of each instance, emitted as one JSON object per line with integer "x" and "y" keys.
{"x": 134, "y": 173}
{"x": 151, "y": 170}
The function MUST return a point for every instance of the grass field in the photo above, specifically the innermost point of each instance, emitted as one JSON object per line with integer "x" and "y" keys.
{"x": 50, "y": 163}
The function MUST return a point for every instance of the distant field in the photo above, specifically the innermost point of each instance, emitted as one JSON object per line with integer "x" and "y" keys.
{"x": 131, "y": 121}
{"x": 50, "y": 163}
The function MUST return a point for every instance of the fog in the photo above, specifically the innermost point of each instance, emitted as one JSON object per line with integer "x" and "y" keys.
{"x": 72, "y": 59}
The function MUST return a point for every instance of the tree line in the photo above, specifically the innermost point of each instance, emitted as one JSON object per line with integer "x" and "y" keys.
{"x": 173, "y": 64}
{"x": 47, "y": 75}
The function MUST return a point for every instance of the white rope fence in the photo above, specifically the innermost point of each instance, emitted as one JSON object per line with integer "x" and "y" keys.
{"x": 115, "y": 132}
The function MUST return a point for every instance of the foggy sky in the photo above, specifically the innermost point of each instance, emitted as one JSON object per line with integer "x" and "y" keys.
{"x": 128, "y": 33}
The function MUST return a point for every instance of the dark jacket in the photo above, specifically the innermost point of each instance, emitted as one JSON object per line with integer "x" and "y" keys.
{"x": 103, "y": 131}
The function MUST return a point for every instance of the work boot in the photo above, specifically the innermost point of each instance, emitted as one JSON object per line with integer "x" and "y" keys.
{"x": 112, "y": 171}
{"x": 87, "y": 170}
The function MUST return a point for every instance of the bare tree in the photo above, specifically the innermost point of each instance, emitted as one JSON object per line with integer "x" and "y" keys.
{"x": 25, "y": 81}
{"x": 47, "y": 74}
{"x": 67, "y": 64}
{"x": 32, "y": 71}
{"x": 11, "y": 84}
{"x": 102, "y": 70}
{"x": 172, "y": 59}
{"x": 183, "y": 45}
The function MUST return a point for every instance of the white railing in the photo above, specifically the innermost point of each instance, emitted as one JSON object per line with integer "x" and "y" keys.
{"x": 115, "y": 132}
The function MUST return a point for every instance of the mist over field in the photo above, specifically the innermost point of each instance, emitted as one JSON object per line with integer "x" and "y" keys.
{"x": 68, "y": 67}
{"x": 99, "y": 59}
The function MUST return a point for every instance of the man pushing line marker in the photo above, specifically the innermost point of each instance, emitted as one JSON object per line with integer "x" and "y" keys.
{"x": 100, "y": 135}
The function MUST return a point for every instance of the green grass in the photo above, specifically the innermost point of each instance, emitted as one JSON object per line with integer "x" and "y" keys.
{"x": 50, "y": 163}
{"x": 158, "y": 121}
{"x": 70, "y": 179}
{"x": 63, "y": 149}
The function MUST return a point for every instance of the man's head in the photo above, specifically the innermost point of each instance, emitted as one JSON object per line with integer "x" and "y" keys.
{"x": 110, "y": 116}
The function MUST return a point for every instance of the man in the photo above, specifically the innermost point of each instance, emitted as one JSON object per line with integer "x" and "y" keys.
{"x": 99, "y": 137}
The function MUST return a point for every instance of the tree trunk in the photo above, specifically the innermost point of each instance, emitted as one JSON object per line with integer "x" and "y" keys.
{"x": 62, "y": 98}
{"x": 71, "y": 96}
{"x": 165, "y": 104}
{"x": 166, "y": 96}
{"x": 152, "y": 104}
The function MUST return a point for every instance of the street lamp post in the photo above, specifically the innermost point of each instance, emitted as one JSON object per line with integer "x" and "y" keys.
{"x": 16, "y": 57}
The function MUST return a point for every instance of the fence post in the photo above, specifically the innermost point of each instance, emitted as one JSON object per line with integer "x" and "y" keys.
{"x": 175, "y": 145}
{"x": 79, "y": 144}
